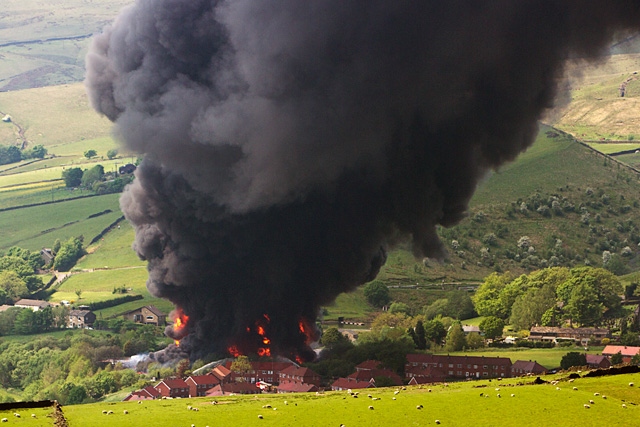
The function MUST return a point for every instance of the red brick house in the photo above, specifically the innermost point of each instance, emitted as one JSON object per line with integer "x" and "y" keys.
{"x": 596, "y": 361}
{"x": 268, "y": 372}
{"x": 462, "y": 367}
{"x": 371, "y": 369}
{"x": 173, "y": 387}
{"x": 627, "y": 352}
{"x": 199, "y": 384}
{"x": 233, "y": 388}
{"x": 298, "y": 375}
{"x": 349, "y": 383}
{"x": 147, "y": 393}
{"x": 424, "y": 375}
{"x": 523, "y": 367}
{"x": 221, "y": 373}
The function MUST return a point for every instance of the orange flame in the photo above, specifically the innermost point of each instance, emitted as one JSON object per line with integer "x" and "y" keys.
{"x": 301, "y": 327}
{"x": 266, "y": 341}
{"x": 233, "y": 350}
{"x": 264, "y": 351}
{"x": 266, "y": 316}
{"x": 260, "y": 330}
{"x": 299, "y": 360}
{"x": 177, "y": 343}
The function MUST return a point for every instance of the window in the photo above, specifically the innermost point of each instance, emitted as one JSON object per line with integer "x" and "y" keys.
{"x": 459, "y": 373}
{"x": 440, "y": 365}
{"x": 475, "y": 366}
{"x": 469, "y": 366}
{"x": 451, "y": 365}
{"x": 485, "y": 367}
{"x": 484, "y": 374}
{"x": 459, "y": 365}
{"x": 150, "y": 318}
{"x": 450, "y": 372}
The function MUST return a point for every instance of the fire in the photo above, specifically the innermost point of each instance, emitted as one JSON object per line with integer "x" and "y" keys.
{"x": 266, "y": 351}
{"x": 233, "y": 350}
{"x": 179, "y": 325}
{"x": 260, "y": 330}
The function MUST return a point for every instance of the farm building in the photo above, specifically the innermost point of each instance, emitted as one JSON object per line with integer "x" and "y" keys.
{"x": 596, "y": 361}
{"x": 579, "y": 335}
{"x": 462, "y": 367}
{"x": 147, "y": 393}
{"x": 33, "y": 304}
{"x": 149, "y": 315}
{"x": 173, "y": 387}
{"x": 524, "y": 367}
{"x": 627, "y": 352}
{"x": 80, "y": 319}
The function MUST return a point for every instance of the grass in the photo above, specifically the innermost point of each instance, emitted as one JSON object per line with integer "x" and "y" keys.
{"x": 609, "y": 148}
{"x": 532, "y": 405}
{"x": 39, "y": 226}
{"x": 351, "y": 306}
{"x": 98, "y": 285}
{"x": 113, "y": 251}
{"x": 43, "y": 416}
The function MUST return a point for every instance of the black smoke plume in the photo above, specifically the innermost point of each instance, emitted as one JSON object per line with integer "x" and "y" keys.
{"x": 288, "y": 144}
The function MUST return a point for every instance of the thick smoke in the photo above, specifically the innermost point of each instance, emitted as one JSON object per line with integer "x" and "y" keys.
{"x": 288, "y": 144}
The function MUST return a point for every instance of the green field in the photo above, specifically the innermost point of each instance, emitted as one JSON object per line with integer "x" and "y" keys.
{"x": 530, "y": 405}
{"x": 39, "y": 226}
{"x": 609, "y": 148}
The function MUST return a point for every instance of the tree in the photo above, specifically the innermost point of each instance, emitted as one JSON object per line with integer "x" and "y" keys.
{"x": 77, "y": 394}
{"x": 90, "y": 176}
{"x": 332, "y": 337}
{"x": 399, "y": 307}
{"x": 435, "y": 331}
{"x": 25, "y": 322}
{"x": 78, "y": 293}
{"x": 420, "y": 336}
{"x": 111, "y": 154}
{"x": 573, "y": 358}
{"x": 10, "y": 154}
{"x": 492, "y": 327}
{"x": 474, "y": 340}
{"x": 69, "y": 253}
{"x": 459, "y": 305}
{"x": 630, "y": 338}
{"x": 616, "y": 359}
{"x": 455, "y": 338}
{"x": 13, "y": 285}
{"x": 377, "y": 293}
{"x": 241, "y": 366}
{"x": 486, "y": 298}
{"x": 72, "y": 177}
{"x": 90, "y": 153}
{"x": 437, "y": 308}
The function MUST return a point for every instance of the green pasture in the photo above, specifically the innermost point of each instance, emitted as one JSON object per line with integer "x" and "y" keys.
{"x": 55, "y": 172}
{"x": 77, "y": 148}
{"x": 98, "y": 285}
{"x": 608, "y": 148}
{"x": 113, "y": 251}
{"x": 42, "y": 417}
{"x": 457, "y": 404}
{"x": 547, "y": 357}
{"x": 36, "y": 227}
{"x": 351, "y": 305}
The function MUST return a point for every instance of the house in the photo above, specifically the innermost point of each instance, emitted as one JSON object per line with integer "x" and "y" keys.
{"x": 33, "y": 304}
{"x": 233, "y": 388}
{"x": 81, "y": 319}
{"x": 149, "y": 315}
{"x": 147, "y": 393}
{"x": 200, "y": 384}
{"x": 349, "y": 383}
{"x": 462, "y": 367}
{"x": 221, "y": 373}
{"x": 467, "y": 329}
{"x": 579, "y": 335}
{"x": 523, "y": 367}
{"x": 127, "y": 169}
{"x": 173, "y": 387}
{"x": 47, "y": 256}
{"x": 424, "y": 375}
{"x": 627, "y": 352}
{"x": 596, "y": 361}
{"x": 297, "y": 388}
{"x": 268, "y": 372}
{"x": 298, "y": 375}
{"x": 371, "y": 369}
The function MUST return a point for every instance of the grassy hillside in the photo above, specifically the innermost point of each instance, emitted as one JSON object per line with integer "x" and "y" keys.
{"x": 530, "y": 405}
{"x": 43, "y": 43}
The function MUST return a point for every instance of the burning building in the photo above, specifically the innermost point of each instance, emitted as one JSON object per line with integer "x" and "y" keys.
{"x": 289, "y": 144}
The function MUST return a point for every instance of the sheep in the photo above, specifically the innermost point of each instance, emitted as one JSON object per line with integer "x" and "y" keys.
{"x": 371, "y": 408}
{"x": 575, "y": 388}
{"x": 586, "y": 406}
{"x": 429, "y": 390}
{"x": 139, "y": 402}
{"x": 624, "y": 406}
{"x": 396, "y": 392}
{"x": 498, "y": 395}
{"x": 557, "y": 388}
{"x": 267, "y": 406}
{"x": 286, "y": 403}
{"x": 437, "y": 421}
{"x": 481, "y": 394}
{"x": 260, "y": 417}
{"x": 189, "y": 407}
{"x": 15, "y": 414}
{"x": 419, "y": 407}
{"x": 604, "y": 397}
{"x": 591, "y": 401}
{"x": 104, "y": 411}
{"x": 125, "y": 412}
{"x": 109, "y": 412}
{"x": 195, "y": 409}
{"x": 369, "y": 396}
{"x": 393, "y": 398}
{"x": 571, "y": 380}
{"x": 630, "y": 384}
{"x": 355, "y": 396}
{"x": 596, "y": 394}
{"x": 349, "y": 390}
{"x": 33, "y": 416}
{"x": 375, "y": 398}
{"x": 5, "y": 420}
{"x": 497, "y": 389}
{"x": 513, "y": 395}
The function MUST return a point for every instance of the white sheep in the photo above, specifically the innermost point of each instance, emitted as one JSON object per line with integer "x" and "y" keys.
{"x": 591, "y": 401}
{"x": 396, "y": 392}
{"x": 429, "y": 390}
{"x": 286, "y": 403}
{"x": 267, "y": 406}
{"x": 586, "y": 406}
{"x": 630, "y": 384}
{"x": 393, "y": 398}
{"x": 575, "y": 388}
{"x": 624, "y": 406}
{"x": 498, "y": 395}
{"x": 104, "y": 411}
{"x": 596, "y": 394}
{"x": 371, "y": 407}
{"x": 419, "y": 407}
{"x": 109, "y": 412}
{"x": 557, "y": 388}
{"x": 189, "y": 407}
{"x": 437, "y": 421}
{"x": 15, "y": 414}
{"x": 260, "y": 417}
{"x": 33, "y": 416}
{"x": 125, "y": 412}
{"x": 513, "y": 395}
{"x": 5, "y": 420}
{"x": 604, "y": 397}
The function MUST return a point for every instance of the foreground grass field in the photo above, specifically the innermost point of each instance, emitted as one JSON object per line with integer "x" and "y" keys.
{"x": 474, "y": 403}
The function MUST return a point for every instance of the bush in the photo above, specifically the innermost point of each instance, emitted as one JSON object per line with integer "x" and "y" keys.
{"x": 377, "y": 293}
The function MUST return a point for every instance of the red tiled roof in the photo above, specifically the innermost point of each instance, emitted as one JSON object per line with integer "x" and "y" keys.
{"x": 610, "y": 350}
{"x": 238, "y": 388}
{"x": 346, "y": 383}
{"x": 527, "y": 366}
{"x": 297, "y": 387}
{"x": 203, "y": 379}
{"x": 367, "y": 375}
{"x": 151, "y": 391}
{"x": 220, "y": 372}
{"x": 432, "y": 358}
{"x": 174, "y": 383}
{"x": 369, "y": 364}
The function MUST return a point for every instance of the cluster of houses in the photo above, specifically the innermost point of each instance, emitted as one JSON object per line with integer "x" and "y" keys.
{"x": 288, "y": 377}
{"x": 83, "y": 318}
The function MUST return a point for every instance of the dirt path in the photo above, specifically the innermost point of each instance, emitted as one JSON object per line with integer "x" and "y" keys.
{"x": 21, "y": 131}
